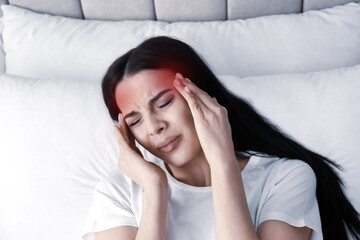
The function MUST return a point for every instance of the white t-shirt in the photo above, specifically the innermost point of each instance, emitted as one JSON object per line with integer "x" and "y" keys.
{"x": 275, "y": 188}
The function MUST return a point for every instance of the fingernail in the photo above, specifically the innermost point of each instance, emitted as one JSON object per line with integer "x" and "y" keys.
{"x": 187, "y": 89}
{"x": 179, "y": 75}
{"x": 177, "y": 82}
{"x": 188, "y": 80}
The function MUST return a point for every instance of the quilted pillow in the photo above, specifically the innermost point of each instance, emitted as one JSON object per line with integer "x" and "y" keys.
{"x": 45, "y": 46}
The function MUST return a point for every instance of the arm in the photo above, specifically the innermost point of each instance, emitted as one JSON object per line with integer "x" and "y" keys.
{"x": 232, "y": 216}
{"x": 152, "y": 179}
{"x": 274, "y": 229}
{"x": 153, "y": 219}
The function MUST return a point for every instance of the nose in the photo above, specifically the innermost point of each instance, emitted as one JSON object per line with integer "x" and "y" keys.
{"x": 155, "y": 125}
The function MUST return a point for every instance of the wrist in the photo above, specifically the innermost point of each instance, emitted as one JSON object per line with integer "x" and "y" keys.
{"x": 156, "y": 192}
{"x": 156, "y": 183}
{"x": 223, "y": 161}
{"x": 153, "y": 177}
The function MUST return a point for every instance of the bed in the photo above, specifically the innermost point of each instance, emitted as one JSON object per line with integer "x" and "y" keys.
{"x": 297, "y": 62}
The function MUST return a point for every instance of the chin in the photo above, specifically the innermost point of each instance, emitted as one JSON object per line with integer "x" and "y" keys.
{"x": 179, "y": 159}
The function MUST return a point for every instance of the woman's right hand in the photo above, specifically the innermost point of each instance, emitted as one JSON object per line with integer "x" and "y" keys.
{"x": 132, "y": 163}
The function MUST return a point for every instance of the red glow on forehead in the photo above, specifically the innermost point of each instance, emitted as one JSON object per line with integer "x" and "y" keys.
{"x": 143, "y": 86}
{"x": 164, "y": 81}
{"x": 123, "y": 100}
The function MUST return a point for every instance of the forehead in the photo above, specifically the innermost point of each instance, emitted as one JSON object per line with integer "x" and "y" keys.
{"x": 137, "y": 89}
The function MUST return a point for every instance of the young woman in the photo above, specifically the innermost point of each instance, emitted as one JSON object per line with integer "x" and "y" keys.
{"x": 219, "y": 170}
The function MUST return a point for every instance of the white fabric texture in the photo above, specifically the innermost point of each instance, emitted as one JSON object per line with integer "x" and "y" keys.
{"x": 2, "y": 53}
{"x": 278, "y": 189}
{"x": 45, "y": 46}
{"x": 56, "y": 141}
{"x": 320, "y": 109}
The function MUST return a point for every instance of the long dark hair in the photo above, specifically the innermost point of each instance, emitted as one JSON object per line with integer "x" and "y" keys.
{"x": 251, "y": 132}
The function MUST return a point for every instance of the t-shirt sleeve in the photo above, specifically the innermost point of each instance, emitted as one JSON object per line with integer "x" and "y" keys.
{"x": 291, "y": 197}
{"x": 111, "y": 207}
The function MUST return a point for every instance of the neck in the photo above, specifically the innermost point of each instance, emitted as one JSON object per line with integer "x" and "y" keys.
{"x": 197, "y": 172}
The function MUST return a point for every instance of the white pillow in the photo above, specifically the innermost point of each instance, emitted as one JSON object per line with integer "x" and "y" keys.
{"x": 45, "y": 46}
{"x": 320, "y": 110}
{"x": 2, "y": 53}
{"x": 56, "y": 141}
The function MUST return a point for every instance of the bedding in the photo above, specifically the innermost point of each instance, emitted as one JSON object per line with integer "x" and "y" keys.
{"x": 117, "y": 201}
{"x": 45, "y": 46}
{"x": 321, "y": 111}
{"x": 57, "y": 141}
{"x": 2, "y": 54}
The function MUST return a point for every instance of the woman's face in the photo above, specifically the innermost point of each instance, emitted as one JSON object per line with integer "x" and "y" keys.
{"x": 154, "y": 110}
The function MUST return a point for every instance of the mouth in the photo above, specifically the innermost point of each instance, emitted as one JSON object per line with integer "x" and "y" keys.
{"x": 169, "y": 144}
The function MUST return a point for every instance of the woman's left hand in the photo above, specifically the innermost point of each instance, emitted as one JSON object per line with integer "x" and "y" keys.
{"x": 210, "y": 120}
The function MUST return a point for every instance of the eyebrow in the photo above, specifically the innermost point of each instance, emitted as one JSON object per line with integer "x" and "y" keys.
{"x": 151, "y": 101}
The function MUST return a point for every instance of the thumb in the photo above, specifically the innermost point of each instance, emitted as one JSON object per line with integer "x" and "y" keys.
{"x": 116, "y": 131}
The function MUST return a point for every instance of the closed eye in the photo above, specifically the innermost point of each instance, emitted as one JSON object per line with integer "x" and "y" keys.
{"x": 162, "y": 106}
{"x": 167, "y": 103}
{"x": 134, "y": 123}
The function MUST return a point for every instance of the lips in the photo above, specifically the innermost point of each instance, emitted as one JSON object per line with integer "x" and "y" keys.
{"x": 167, "y": 141}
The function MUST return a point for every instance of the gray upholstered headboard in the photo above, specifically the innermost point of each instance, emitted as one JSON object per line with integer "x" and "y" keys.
{"x": 171, "y": 10}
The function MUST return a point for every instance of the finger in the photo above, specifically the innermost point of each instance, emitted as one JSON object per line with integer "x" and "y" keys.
{"x": 121, "y": 131}
{"x": 117, "y": 130}
{"x": 119, "y": 138}
{"x": 210, "y": 102}
{"x": 187, "y": 92}
{"x": 197, "y": 107}
{"x": 216, "y": 101}
{"x": 130, "y": 138}
{"x": 204, "y": 96}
